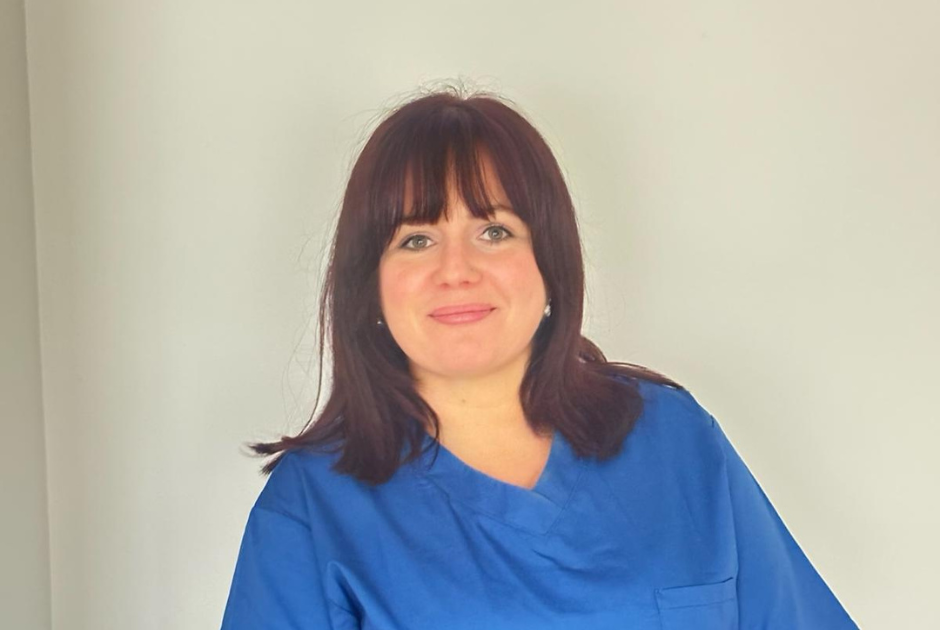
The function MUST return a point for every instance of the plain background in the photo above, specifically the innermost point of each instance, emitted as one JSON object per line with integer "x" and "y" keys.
{"x": 757, "y": 186}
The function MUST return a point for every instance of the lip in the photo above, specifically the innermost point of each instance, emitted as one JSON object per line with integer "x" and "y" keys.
{"x": 456, "y": 309}
{"x": 466, "y": 317}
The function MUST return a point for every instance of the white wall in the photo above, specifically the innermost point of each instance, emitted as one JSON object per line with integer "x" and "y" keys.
{"x": 757, "y": 189}
{"x": 24, "y": 529}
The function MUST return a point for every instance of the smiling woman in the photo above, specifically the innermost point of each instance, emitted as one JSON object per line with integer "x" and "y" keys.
{"x": 456, "y": 200}
{"x": 479, "y": 462}
{"x": 464, "y": 307}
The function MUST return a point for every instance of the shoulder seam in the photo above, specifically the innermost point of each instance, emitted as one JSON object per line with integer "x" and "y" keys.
{"x": 286, "y": 462}
{"x": 274, "y": 510}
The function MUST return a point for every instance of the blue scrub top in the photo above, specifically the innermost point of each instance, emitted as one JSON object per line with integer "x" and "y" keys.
{"x": 673, "y": 533}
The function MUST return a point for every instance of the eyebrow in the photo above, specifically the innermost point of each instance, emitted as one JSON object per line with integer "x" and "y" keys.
{"x": 497, "y": 207}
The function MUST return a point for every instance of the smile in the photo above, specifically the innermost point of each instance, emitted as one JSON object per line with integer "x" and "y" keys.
{"x": 462, "y": 318}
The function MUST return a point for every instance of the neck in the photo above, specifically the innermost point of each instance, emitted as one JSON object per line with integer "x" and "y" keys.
{"x": 477, "y": 408}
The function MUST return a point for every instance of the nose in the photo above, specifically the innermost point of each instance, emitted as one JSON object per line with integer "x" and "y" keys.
{"x": 457, "y": 262}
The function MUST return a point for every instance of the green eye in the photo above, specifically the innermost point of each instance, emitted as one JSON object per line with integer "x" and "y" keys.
{"x": 494, "y": 226}
{"x": 410, "y": 239}
{"x": 500, "y": 227}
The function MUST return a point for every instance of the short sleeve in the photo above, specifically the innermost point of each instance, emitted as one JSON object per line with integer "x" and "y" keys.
{"x": 277, "y": 583}
{"x": 778, "y": 588}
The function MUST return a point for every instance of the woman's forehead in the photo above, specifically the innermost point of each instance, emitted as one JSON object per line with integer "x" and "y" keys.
{"x": 485, "y": 199}
{"x": 498, "y": 210}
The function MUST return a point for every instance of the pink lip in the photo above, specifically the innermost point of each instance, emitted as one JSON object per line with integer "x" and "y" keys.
{"x": 462, "y": 318}
{"x": 460, "y": 308}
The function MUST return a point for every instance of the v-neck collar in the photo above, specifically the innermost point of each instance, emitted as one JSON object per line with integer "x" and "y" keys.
{"x": 533, "y": 510}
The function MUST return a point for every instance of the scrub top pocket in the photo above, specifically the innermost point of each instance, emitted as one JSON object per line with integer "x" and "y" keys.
{"x": 699, "y": 607}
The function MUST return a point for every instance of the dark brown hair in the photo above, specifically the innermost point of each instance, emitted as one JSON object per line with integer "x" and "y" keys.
{"x": 373, "y": 405}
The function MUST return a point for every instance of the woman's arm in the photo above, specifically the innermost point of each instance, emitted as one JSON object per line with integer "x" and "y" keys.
{"x": 777, "y": 585}
{"x": 278, "y": 582}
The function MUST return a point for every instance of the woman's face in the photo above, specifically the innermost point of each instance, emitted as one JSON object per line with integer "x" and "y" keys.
{"x": 463, "y": 260}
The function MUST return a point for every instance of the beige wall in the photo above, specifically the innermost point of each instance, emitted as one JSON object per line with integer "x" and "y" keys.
{"x": 757, "y": 189}
{"x": 24, "y": 528}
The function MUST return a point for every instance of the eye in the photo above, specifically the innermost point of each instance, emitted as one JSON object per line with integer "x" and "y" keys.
{"x": 410, "y": 239}
{"x": 493, "y": 227}
{"x": 496, "y": 226}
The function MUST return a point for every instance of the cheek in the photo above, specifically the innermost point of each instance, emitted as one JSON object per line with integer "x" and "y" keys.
{"x": 522, "y": 276}
{"x": 396, "y": 286}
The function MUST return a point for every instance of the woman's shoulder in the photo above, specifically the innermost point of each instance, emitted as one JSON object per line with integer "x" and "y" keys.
{"x": 300, "y": 478}
{"x": 674, "y": 407}
{"x": 674, "y": 419}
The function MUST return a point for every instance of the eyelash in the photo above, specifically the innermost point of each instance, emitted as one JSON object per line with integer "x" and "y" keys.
{"x": 487, "y": 229}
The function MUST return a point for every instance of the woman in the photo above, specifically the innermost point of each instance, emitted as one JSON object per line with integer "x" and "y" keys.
{"x": 559, "y": 489}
